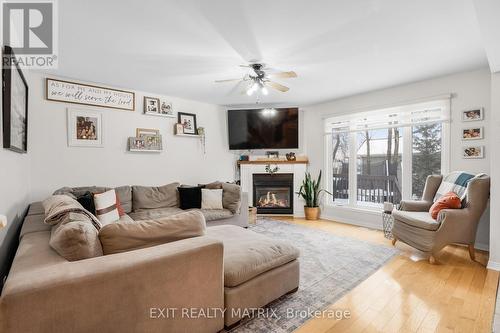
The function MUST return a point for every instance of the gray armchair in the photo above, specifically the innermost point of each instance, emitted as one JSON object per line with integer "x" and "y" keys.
{"x": 414, "y": 225}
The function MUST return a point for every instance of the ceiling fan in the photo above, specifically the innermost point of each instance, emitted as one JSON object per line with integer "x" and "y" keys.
{"x": 259, "y": 79}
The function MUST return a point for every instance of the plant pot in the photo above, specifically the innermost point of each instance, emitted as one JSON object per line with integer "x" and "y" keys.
{"x": 312, "y": 213}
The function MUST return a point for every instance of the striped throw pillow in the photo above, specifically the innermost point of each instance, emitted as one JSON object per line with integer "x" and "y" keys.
{"x": 105, "y": 207}
{"x": 455, "y": 182}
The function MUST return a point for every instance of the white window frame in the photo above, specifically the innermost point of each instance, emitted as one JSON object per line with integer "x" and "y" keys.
{"x": 406, "y": 153}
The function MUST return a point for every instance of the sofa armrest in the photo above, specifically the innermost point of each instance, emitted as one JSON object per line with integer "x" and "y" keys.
{"x": 120, "y": 292}
{"x": 415, "y": 206}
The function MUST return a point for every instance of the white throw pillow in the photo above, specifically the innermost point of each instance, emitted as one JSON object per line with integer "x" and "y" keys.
{"x": 211, "y": 199}
{"x": 105, "y": 207}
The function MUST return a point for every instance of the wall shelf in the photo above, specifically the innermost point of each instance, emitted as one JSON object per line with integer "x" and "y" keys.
{"x": 189, "y": 135}
{"x": 145, "y": 151}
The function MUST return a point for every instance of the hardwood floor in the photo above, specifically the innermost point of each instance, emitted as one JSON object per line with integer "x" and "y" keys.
{"x": 410, "y": 295}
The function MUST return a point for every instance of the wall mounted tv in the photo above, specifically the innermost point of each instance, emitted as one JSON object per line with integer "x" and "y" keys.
{"x": 272, "y": 128}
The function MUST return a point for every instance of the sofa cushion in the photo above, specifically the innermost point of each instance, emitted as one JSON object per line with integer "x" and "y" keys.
{"x": 231, "y": 197}
{"x": 154, "y": 213}
{"x": 124, "y": 193}
{"x": 75, "y": 238}
{"x": 211, "y": 198}
{"x": 421, "y": 220}
{"x": 248, "y": 254}
{"x": 122, "y": 237}
{"x": 454, "y": 182}
{"x": 87, "y": 201}
{"x": 448, "y": 201}
{"x": 150, "y": 197}
{"x": 34, "y": 223}
{"x": 105, "y": 207}
{"x": 216, "y": 214}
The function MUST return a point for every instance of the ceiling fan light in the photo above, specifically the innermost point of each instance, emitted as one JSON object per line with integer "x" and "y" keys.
{"x": 265, "y": 91}
{"x": 250, "y": 92}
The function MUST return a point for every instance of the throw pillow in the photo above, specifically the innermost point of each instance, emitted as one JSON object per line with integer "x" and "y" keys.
{"x": 454, "y": 182}
{"x": 448, "y": 201}
{"x": 189, "y": 197}
{"x": 211, "y": 199}
{"x": 75, "y": 238}
{"x": 119, "y": 207}
{"x": 105, "y": 207}
{"x": 231, "y": 197}
{"x": 122, "y": 237}
{"x": 87, "y": 201}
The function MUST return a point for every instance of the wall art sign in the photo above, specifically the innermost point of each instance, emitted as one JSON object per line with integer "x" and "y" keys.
{"x": 86, "y": 94}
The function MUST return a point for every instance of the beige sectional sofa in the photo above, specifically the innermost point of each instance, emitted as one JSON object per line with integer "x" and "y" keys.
{"x": 229, "y": 268}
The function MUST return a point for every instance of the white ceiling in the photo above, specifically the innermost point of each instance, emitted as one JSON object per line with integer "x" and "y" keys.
{"x": 337, "y": 48}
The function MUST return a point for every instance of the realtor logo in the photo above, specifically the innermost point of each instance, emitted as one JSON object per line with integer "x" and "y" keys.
{"x": 29, "y": 28}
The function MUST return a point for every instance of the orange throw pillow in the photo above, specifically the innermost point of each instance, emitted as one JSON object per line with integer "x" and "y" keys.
{"x": 447, "y": 201}
{"x": 121, "y": 211}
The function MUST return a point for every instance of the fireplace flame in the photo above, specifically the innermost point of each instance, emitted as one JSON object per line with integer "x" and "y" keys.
{"x": 270, "y": 200}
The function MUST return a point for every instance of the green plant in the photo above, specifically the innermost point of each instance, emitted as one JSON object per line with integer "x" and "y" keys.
{"x": 310, "y": 191}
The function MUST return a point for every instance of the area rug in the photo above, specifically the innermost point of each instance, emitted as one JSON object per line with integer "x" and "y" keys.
{"x": 330, "y": 266}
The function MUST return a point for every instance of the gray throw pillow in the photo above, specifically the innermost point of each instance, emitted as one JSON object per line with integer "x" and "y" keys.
{"x": 150, "y": 197}
{"x": 231, "y": 197}
{"x": 122, "y": 237}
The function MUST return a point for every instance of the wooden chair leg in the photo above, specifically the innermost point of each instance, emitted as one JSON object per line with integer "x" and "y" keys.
{"x": 432, "y": 259}
{"x": 394, "y": 240}
{"x": 472, "y": 252}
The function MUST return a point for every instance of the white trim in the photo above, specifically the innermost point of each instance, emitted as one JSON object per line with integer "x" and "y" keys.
{"x": 407, "y": 164}
{"x": 493, "y": 265}
{"x": 389, "y": 105}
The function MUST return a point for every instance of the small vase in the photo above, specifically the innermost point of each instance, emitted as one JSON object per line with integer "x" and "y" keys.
{"x": 312, "y": 213}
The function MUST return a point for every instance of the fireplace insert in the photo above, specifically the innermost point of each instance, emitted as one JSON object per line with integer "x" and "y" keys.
{"x": 273, "y": 194}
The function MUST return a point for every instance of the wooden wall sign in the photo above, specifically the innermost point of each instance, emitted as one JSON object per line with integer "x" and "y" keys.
{"x": 86, "y": 94}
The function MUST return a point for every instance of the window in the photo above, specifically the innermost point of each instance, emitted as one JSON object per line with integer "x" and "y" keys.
{"x": 385, "y": 155}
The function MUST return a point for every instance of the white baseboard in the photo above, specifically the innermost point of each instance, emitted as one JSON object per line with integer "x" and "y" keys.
{"x": 493, "y": 265}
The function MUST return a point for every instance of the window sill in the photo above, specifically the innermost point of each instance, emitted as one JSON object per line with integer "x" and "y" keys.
{"x": 356, "y": 208}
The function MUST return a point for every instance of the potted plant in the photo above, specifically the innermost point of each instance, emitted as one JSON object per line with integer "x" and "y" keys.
{"x": 310, "y": 191}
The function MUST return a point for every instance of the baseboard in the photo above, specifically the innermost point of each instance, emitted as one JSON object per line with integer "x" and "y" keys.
{"x": 359, "y": 223}
{"x": 493, "y": 265}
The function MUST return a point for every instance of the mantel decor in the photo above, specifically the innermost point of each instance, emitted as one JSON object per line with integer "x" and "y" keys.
{"x": 15, "y": 106}
{"x": 86, "y": 94}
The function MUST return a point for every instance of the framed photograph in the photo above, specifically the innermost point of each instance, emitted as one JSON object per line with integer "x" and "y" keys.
{"x": 473, "y": 115}
{"x": 151, "y": 105}
{"x": 87, "y": 94}
{"x": 473, "y": 152}
{"x": 85, "y": 128}
{"x": 188, "y": 122}
{"x": 166, "y": 109}
{"x": 151, "y": 143}
{"x": 139, "y": 132}
{"x": 15, "y": 107}
{"x": 473, "y": 133}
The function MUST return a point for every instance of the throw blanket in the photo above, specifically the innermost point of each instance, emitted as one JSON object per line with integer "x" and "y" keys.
{"x": 58, "y": 206}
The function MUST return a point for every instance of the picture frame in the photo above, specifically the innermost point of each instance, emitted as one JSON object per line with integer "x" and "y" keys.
{"x": 179, "y": 129}
{"x": 473, "y": 152}
{"x": 188, "y": 122}
{"x": 472, "y": 133}
{"x": 77, "y": 93}
{"x": 146, "y": 143}
{"x": 146, "y": 131}
{"x": 166, "y": 109}
{"x": 151, "y": 106}
{"x": 473, "y": 114}
{"x": 85, "y": 128}
{"x": 15, "y": 106}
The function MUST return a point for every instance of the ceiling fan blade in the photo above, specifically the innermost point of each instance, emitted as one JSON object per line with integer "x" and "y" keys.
{"x": 228, "y": 80}
{"x": 283, "y": 75}
{"x": 277, "y": 86}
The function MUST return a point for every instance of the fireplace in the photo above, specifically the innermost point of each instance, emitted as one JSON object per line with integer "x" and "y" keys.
{"x": 273, "y": 194}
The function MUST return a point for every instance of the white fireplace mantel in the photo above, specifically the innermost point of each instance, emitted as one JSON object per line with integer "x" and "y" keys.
{"x": 247, "y": 170}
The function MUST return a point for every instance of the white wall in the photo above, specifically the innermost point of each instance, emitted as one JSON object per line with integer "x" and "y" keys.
{"x": 495, "y": 172}
{"x": 54, "y": 164}
{"x": 469, "y": 89}
{"x": 14, "y": 194}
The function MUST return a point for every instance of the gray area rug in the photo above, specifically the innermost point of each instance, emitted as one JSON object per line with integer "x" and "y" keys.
{"x": 330, "y": 266}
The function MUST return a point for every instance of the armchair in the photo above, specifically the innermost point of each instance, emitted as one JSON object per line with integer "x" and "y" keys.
{"x": 414, "y": 225}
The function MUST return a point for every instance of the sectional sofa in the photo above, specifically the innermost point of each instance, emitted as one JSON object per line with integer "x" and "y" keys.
{"x": 198, "y": 284}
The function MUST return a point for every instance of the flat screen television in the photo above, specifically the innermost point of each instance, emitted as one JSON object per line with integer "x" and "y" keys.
{"x": 272, "y": 128}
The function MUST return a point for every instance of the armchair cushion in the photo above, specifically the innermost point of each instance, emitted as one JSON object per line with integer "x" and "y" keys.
{"x": 422, "y": 220}
{"x": 448, "y": 201}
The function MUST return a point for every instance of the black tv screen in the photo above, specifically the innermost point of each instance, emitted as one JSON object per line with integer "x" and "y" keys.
{"x": 263, "y": 128}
